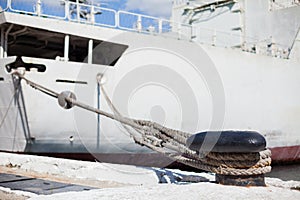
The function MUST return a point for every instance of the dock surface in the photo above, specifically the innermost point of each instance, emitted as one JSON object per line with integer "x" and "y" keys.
{"x": 36, "y": 178}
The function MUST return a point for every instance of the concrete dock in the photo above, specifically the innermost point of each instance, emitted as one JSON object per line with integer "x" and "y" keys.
{"x": 34, "y": 177}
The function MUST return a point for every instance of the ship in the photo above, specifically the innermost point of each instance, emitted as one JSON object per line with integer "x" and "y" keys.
{"x": 214, "y": 65}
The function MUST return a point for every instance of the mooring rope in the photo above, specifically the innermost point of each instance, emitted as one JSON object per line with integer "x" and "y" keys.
{"x": 172, "y": 143}
{"x": 9, "y": 105}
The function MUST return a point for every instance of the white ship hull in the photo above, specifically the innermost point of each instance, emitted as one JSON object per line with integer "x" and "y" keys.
{"x": 180, "y": 84}
{"x": 260, "y": 93}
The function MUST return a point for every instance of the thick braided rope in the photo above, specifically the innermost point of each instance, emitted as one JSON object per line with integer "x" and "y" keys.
{"x": 227, "y": 160}
{"x": 224, "y": 170}
{"x": 164, "y": 140}
{"x": 237, "y": 164}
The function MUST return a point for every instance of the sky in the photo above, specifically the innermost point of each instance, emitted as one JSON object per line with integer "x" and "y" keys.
{"x": 157, "y": 8}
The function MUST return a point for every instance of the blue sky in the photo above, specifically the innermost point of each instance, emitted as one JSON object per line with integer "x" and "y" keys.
{"x": 157, "y": 8}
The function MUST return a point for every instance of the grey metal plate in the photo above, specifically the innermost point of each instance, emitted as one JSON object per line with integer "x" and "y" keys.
{"x": 11, "y": 177}
{"x": 38, "y": 186}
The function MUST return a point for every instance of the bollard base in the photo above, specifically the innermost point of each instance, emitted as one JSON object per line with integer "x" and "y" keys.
{"x": 246, "y": 181}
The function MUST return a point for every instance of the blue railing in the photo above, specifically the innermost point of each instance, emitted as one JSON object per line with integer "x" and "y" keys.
{"x": 98, "y": 16}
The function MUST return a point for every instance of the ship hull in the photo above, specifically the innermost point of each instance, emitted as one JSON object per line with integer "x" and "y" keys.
{"x": 288, "y": 154}
{"x": 230, "y": 90}
{"x": 280, "y": 155}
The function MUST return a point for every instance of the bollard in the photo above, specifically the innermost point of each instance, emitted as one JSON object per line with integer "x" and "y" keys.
{"x": 246, "y": 181}
{"x": 234, "y": 150}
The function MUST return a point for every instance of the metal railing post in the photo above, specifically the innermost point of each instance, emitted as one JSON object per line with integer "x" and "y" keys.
{"x": 179, "y": 31}
{"x": 90, "y": 52}
{"x": 160, "y": 26}
{"x": 67, "y": 10}
{"x": 92, "y": 14}
{"x": 38, "y": 8}
{"x": 6, "y": 41}
{"x": 194, "y": 32}
{"x": 191, "y": 32}
{"x": 8, "y": 4}
{"x": 78, "y": 10}
{"x": 117, "y": 19}
{"x": 139, "y": 24}
{"x": 2, "y": 43}
{"x": 66, "y": 48}
{"x": 214, "y": 38}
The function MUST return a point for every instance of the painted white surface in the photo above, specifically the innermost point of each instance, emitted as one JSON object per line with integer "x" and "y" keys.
{"x": 261, "y": 92}
{"x": 191, "y": 191}
{"x": 122, "y": 174}
{"x": 140, "y": 183}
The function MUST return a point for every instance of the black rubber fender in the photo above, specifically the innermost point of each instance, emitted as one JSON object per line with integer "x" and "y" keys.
{"x": 227, "y": 141}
